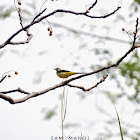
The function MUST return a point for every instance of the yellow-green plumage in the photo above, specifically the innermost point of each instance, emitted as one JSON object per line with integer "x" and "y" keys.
{"x": 65, "y": 73}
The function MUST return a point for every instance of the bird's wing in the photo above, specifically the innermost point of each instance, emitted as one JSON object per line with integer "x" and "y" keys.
{"x": 63, "y": 71}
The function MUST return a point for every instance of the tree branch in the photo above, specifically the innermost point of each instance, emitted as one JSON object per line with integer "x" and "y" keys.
{"x": 117, "y": 63}
{"x": 3, "y": 77}
{"x": 29, "y": 95}
{"x": 35, "y": 20}
{"x": 22, "y": 42}
{"x": 20, "y": 18}
{"x": 66, "y": 82}
{"x": 34, "y": 94}
{"x": 16, "y": 90}
{"x": 88, "y": 89}
{"x": 92, "y": 5}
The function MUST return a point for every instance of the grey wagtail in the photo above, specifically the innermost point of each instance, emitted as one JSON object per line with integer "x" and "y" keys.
{"x": 65, "y": 73}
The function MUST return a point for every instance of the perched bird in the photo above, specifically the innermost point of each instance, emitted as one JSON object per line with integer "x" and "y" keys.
{"x": 65, "y": 73}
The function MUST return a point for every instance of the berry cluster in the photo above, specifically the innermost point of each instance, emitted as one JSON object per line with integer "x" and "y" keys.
{"x": 16, "y": 73}
{"x": 49, "y": 29}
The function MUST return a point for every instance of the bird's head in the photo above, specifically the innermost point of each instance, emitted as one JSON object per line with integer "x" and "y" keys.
{"x": 57, "y": 69}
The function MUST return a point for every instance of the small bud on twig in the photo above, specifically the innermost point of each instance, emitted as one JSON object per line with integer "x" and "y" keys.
{"x": 138, "y": 45}
{"x": 16, "y": 72}
{"x": 48, "y": 28}
{"x": 87, "y": 11}
{"x": 19, "y": 2}
{"x": 50, "y": 34}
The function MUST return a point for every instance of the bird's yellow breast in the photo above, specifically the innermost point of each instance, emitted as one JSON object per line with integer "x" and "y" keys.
{"x": 65, "y": 74}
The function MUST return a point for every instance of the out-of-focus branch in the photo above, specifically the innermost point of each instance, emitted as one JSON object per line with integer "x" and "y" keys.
{"x": 80, "y": 32}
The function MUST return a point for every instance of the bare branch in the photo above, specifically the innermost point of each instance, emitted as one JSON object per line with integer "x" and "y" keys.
{"x": 7, "y": 98}
{"x": 7, "y": 74}
{"x": 20, "y": 18}
{"x": 66, "y": 82}
{"x": 26, "y": 30}
{"x": 92, "y": 5}
{"x": 88, "y": 89}
{"x": 35, "y": 20}
{"x": 30, "y": 95}
{"x": 22, "y": 42}
{"x": 16, "y": 90}
{"x": 38, "y": 15}
{"x": 104, "y": 68}
{"x": 113, "y": 65}
{"x": 77, "y": 13}
{"x": 34, "y": 94}
{"x": 3, "y": 77}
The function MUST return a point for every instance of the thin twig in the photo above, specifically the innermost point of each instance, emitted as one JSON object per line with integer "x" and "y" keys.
{"x": 88, "y": 89}
{"x": 92, "y": 5}
{"x": 16, "y": 90}
{"x": 3, "y": 77}
{"x": 40, "y": 13}
{"x": 22, "y": 42}
{"x": 20, "y": 18}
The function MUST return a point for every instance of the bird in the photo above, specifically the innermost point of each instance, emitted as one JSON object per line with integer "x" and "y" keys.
{"x": 65, "y": 73}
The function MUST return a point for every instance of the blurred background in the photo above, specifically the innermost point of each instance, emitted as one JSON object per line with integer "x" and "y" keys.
{"x": 80, "y": 44}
